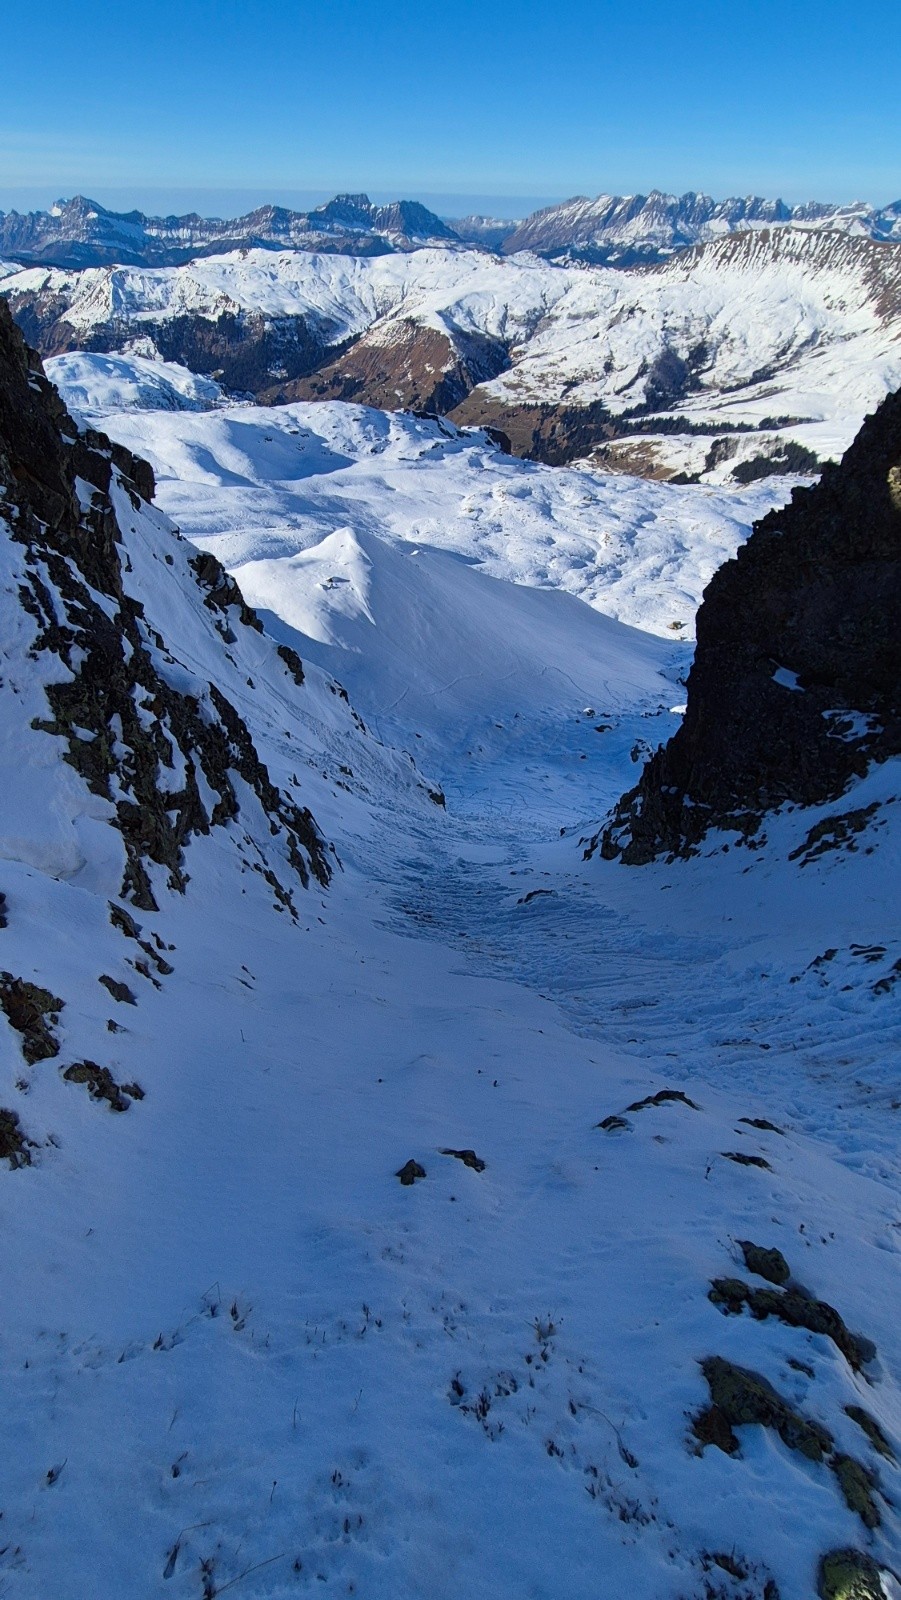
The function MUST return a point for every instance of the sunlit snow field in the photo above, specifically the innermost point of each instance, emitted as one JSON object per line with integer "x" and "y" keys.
{"x": 237, "y": 1352}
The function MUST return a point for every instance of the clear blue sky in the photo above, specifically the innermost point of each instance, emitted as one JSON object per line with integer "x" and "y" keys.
{"x": 215, "y": 103}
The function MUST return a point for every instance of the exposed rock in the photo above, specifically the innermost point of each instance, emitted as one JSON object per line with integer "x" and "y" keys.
{"x": 796, "y": 682}
{"x": 849, "y": 1575}
{"x": 762, "y": 1122}
{"x": 770, "y": 1264}
{"x": 30, "y": 1010}
{"x": 247, "y": 352}
{"x": 871, "y": 1428}
{"x": 410, "y": 1172}
{"x": 222, "y": 590}
{"x": 292, "y": 662}
{"x": 401, "y": 363}
{"x": 834, "y": 833}
{"x": 119, "y": 991}
{"x": 740, "y": 1397}
{"x": 797, "y": 1310}
{"x": 102, "y": 1085}
{"x": 663, "y": 1097}
{"x": 857, "y": 1484}
{"x": 551, "y": 433}
{"x": 14, "y": 1147}
{"x": 100, "y": 708}
{"x": 468, "y": 1158}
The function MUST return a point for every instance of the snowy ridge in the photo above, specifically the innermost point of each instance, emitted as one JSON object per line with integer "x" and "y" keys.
{"x": 619, "y": 229}
{"x": 626, "y": 229}
{"x": 770, "y": 338}
{"x": 79, "y": 232}
{"x": 131, "y": 383}
{"x": 345, "y": 295}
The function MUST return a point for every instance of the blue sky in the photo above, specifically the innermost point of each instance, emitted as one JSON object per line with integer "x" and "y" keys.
{"x": 220, "y": 105}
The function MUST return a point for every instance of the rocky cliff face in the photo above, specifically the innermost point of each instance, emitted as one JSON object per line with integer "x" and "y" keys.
{"x": 170, "y": 761}
{"x": 796, "y": 683}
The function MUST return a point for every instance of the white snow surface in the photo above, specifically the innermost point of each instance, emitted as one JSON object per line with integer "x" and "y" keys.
{"x": 258, "y": 486}
{"x": 236, "y": 1353}
{"x": 788, "y": 327}
{"x": 131, "y": 383}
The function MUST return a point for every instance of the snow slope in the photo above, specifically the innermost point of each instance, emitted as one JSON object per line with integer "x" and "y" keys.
{"x": 131, "y": 383}
{"x": 237, "y": 1354}
{"x": 259, "y": 485}
{"x": 238, "y": 1351}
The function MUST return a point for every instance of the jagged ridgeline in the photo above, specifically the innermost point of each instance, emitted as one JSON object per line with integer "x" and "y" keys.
{"x": 796, "y": 682}
{"x": 165, "y": 747}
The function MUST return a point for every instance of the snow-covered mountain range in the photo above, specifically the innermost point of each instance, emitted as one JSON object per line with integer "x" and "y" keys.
{"x": 395, "y": 1201}
{"x": 627, "y": 230}
{"x": 759, "y": 352}
{"x": 616, "y": 230}
{"x": 80, "y": 233}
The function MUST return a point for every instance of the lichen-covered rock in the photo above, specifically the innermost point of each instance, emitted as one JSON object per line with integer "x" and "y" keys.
{"x": 797, "y": 1310}
{"x": 767, "y": 1263}
{"x": 871, "y": 1428}
{"x": 857, "y": 1484}
{"x": 796, "y": 682}
{"x": 849, "y": 1575}
{"x": 741, "y": 1397}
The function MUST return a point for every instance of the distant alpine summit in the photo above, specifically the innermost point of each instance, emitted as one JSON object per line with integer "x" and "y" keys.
{"x": 80, "y": 233}
{"x": 628, "y": 230}
{"x": 614, "y": 230}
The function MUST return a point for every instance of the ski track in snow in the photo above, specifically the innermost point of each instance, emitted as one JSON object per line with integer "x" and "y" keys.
{"x": 239, "y": 1356}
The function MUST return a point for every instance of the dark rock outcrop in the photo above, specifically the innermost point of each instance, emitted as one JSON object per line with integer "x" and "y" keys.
{"x": 796, "y": 682}
{"x": 404, "y": 364}
{"x": 126, "y": 728}
{"x": 247, "y": 352}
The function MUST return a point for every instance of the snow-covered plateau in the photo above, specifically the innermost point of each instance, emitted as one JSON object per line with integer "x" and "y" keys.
{"x": 257, "y": 485}
{"x": 402, "y": 1266}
